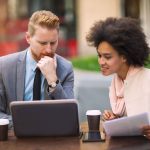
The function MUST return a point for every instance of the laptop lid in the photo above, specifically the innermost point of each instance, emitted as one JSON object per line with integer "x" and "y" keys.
{"x": 45, "y": 118}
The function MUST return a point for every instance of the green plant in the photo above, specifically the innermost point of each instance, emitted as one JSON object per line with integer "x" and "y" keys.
{"x": 89, "y": 63}
{"x": 147, "y": 63}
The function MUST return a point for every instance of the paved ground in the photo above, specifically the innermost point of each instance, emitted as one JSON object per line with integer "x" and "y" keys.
{"x": 91, "y": 90}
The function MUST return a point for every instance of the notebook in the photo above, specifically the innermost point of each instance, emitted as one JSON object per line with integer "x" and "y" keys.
{"x": 45, "y": 118}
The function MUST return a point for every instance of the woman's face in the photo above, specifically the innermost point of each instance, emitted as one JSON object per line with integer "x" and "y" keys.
{"x": 109, "y": 60}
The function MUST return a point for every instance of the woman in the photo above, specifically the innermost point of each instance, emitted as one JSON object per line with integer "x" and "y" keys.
{"x": 123, "y": 51}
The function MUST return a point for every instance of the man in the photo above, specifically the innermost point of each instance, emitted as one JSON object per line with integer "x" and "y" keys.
{"x": 17, "y": 71}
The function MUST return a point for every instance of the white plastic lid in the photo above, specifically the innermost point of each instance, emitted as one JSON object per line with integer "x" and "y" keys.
{"x": 4, "y": 121}
{"x": 93, "y": 112}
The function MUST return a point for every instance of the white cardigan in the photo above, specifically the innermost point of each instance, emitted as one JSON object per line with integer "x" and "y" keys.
{"x": 137, "y": 92}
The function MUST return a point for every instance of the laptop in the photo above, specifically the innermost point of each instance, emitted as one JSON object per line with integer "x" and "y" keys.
{"x": 45, "y": 118}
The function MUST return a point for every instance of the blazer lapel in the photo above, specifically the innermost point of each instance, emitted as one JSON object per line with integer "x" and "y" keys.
{"x": 21, "y": 66}
{"x": 59, "y": 69}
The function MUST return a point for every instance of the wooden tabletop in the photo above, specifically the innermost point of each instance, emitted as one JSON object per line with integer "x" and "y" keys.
{"x": 74, "y": 143}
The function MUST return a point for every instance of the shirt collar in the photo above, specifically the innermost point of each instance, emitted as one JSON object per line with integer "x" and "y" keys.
{"x": 31, "y": 61}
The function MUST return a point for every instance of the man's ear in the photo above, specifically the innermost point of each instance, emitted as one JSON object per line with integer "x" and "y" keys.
{"x": 28, "y": 37}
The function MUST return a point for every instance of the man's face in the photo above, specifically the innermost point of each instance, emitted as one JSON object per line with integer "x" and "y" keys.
{"x": 44, "y": 42}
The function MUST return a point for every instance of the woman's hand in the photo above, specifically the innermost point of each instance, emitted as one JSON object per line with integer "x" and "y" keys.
{"x": 146, "y": 131}
{"x": 108, "y": 115}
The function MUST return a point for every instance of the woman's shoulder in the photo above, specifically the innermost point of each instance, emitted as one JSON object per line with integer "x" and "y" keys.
{"x": 143, "y": 75}
{"x": 145, "y": 71}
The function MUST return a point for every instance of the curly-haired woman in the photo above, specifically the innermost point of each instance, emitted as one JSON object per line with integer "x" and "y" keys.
{"x": 122, "y": 50}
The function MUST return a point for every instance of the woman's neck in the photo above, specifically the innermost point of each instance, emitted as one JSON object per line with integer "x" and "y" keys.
{"x": 123, "y": 72}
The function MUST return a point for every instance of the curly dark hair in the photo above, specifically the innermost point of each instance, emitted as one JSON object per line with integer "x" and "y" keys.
{"x": 125, "y": 35}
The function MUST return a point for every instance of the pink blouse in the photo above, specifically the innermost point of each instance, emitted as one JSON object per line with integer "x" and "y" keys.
{"x": 116, "y": 92}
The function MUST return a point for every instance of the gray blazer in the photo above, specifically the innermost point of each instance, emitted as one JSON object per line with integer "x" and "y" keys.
{"x": 12, "y": 80}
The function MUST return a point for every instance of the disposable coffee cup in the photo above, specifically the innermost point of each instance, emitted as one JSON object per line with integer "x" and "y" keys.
{"x": 4, "y": 129}
{"x": 93, "y": 118}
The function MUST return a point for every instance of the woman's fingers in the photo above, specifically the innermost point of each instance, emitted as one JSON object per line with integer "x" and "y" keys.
{"x": 108, "y": 115}
{"x": 146, "y": 131}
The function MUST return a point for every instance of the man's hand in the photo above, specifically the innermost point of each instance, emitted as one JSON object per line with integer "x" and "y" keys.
{"x": 146, "y": 131}
{"x": 48, "y": 68}
{"x": 108, "y": 115}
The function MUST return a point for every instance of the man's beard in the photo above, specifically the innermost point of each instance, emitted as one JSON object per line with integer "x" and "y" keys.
{"x": 37, "y": 58}
{"x": 49, "y": 55}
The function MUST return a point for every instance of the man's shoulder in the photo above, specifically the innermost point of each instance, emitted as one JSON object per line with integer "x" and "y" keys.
{"x": 63, "y": 61}
{"x": 12, "y": 57}
{"x": 63, "y": 65}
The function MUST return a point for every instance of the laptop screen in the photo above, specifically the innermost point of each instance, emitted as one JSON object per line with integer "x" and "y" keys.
{"x": 45, "y": 118}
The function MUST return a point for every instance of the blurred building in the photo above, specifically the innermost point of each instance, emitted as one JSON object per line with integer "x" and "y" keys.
{"x": 76, "y": 16}
{"x": 14, "y": 21}
{"x": 89, "y": 11}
